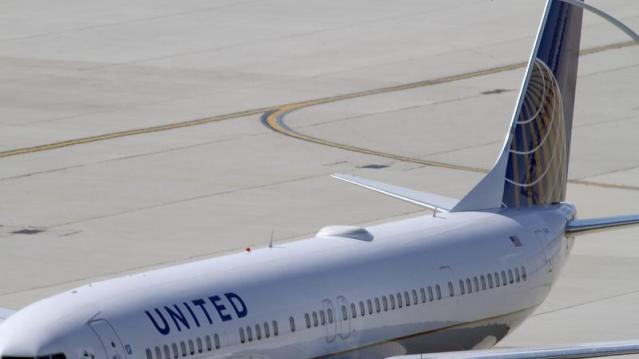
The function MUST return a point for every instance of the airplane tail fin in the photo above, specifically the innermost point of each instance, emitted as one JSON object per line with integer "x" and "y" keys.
{"x": 532, "y": 169}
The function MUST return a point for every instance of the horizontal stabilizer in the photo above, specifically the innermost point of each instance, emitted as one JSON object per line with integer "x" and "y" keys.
{"x": 588, "y": 350}
{"x": 597, "y": 224}
{"x": 5, "y": 313}
{"x": 423, "y": 199}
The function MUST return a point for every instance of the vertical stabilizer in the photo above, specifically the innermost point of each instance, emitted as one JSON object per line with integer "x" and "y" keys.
{"x": 532, "y": 169}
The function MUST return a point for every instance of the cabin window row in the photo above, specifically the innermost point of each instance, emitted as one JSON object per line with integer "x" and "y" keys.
{"x": 185, "y": 348}
{"x": 407, "y": 298}
{"x": 371, "y": 306}
{"x": 393, "y": 301}
{"x": 259, "y": 331}
{"x": 492, "y": 280}
{"x": 316, "y": 318}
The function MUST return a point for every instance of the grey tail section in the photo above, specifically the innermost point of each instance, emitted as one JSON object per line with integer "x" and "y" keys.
{"x": 532, "y": 169}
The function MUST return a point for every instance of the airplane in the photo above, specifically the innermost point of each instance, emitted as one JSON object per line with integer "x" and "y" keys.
{"x": 447, "y": 285}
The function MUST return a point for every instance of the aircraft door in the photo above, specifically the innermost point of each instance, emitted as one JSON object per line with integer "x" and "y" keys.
{"x": 448, "y": 292}
{"x": 331, "y": 320}
{"x": 109, "y": 339}
{"x": 542, "y": 238}
{"x": 344, "y": 318}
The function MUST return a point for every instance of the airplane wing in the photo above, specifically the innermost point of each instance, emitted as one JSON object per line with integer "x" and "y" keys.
{"x": 424, "y": 199}
{"x": 577, "y": 226}
{"x": 5, "y": 313}
{"x": 586, "y": 350}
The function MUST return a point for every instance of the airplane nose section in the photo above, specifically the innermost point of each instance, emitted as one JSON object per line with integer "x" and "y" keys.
{"x": 6, "y": 341}
{"x": 29, "y": 332}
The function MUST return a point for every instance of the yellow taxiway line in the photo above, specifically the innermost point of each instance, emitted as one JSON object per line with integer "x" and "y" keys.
{"x": 274, "y": 119}
{"x": 257, "y": 111}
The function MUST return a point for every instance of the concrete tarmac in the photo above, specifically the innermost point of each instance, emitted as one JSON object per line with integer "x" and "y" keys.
{"x": 131, "y": 134}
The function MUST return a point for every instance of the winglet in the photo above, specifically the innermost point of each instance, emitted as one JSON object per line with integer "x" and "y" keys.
{"x": 423, "y": 199}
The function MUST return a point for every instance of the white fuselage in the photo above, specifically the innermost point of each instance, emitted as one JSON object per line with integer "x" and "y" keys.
{"x": 446, "y": 271}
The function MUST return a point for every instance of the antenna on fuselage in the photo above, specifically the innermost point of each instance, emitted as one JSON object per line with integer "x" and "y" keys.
{"x": 270, "y": 241}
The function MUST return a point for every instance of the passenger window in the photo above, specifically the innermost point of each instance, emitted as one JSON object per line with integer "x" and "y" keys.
{"x": 276, "y": 329}
{"x": 344, "y": 313}
{"x": 267, "y": 330}
{"x": 483, "y": 282}
{"x": 330, "y": 315}
{"x": 315, "y": 321}
{"x": 209, "y": 347}
{"x": 216, "y": 339}
{"x": 291, "y": 321}
{"x": 430, "y": 294}
{"x": 183, "y": 345}
{"x": 422, "y": 294}
{"x": 504, "y": 281}
{"x": 517, "y": 278}
{"x": 451, "y": 289}
{"x": 497, "y": 284}
{"x": 191, "y": 347}
{"x": 469, "y": 286}
{"x": 149, "y": 355}
{"x": 385, "y": 303}
{"x": 399, "y": 300}
{"x": 462, "y": 291}
{"x": 511, "y": 280}
{"x": 439, "y": 292}
{"x": 167, "y": 352}
{"x": 523, "y": 273}
{"x": 353, "y": 311}
{"x": 322, "y": 317}
{"x": 198, "y": 340}
{"x": 369, "y": 305}
{"x": 362, "y": 310}
{"x": 407, "y": 299}
{"x": 158, "y": 353}
{"x": 175, "y": 351}
{"x": 249, "y": 334}
{"x": 476, "y": 282}
{"x": 308, "y": 320}
{"x": 392, "y": 301}
{"x": 378, "y": 307}
{"x": 258, "y": 332}
{"x": 490, "y": 280}
{"x": 414, "y": 294}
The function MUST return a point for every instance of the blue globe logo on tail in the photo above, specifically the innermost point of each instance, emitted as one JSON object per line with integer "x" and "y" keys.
{"x": 538, "y": 154}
